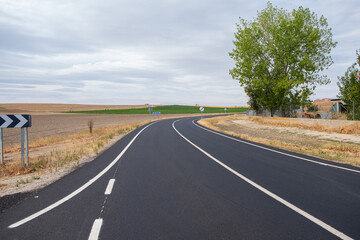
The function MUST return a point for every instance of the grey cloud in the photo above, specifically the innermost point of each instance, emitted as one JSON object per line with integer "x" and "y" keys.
{"x": 133, "y": 52}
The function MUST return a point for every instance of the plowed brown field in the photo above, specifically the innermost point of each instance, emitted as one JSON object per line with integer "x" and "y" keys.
{"x": 54, "y": 108}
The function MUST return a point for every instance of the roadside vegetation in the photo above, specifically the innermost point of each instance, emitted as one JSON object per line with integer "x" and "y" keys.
{"x": 279, "y": 57}
{"x": 333, "y": 150}
{"x": 171, "y": 109}
{"x": 349, "y": 87}
{"x": 48, "y": 154}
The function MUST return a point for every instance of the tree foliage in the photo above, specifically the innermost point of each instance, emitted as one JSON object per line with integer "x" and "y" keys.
{"x": 349, "y": 86}
{"x": 279, "y": 55}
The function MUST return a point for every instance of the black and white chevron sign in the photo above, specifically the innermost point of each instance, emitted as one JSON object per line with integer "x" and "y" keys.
{"x": 15, "y": 121}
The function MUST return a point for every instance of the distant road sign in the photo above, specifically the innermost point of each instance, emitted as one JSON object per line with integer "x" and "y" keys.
{"x": 156, "y": 113}
{"x": 201, "y": 109}
{"x": 15, "y": 121}
{"x": 149, "y": 109}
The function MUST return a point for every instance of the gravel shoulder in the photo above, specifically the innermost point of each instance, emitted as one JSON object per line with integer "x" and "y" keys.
{"x": 338, "y": 147}
{"x": 350, "y": 138}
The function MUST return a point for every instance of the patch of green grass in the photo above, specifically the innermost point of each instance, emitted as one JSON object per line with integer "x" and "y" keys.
{"x": 171, "y": 109}
{"x": 21, "y": 181}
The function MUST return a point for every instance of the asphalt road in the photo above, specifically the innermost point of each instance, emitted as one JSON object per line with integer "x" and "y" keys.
{"x": 175, "y": 180}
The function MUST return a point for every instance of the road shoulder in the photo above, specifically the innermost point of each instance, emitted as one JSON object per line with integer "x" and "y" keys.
{"x": 336, "y": 147}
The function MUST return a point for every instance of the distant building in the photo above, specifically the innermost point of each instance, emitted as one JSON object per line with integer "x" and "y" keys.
{"x": 327, "y": 105}
{"x": 322, "y": 100}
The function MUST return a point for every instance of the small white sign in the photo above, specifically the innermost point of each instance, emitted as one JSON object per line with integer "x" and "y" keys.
{"x": 201, "y": 109}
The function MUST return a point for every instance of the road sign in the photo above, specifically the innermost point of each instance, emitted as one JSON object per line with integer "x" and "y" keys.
{"x": 225, "y": 109}
{"x": 156, "y": 113}
{"x": 201, "y": 109}
{"x": 150, "y": 109}
{"x": 15, "y": 121}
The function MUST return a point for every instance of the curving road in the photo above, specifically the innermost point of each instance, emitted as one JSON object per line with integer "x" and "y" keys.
{"x": 173, "y": 179}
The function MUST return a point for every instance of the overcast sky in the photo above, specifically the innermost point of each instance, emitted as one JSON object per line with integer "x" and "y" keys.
{"x": 137, "y": 52}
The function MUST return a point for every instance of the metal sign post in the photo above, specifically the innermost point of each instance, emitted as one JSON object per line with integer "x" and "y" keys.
{"x": 26, "y": 147}
{"x": 17, "y": 121}
{"x": 201, "y": 109}
{"x": 158, "y": 115}
{"x": 150, "y": 110}
{"x": 2, "y": 147}
{"x": 22, "y": 146}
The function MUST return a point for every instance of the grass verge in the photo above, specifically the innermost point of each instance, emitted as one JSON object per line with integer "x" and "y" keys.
{"x": 352, "y": 128}
{"x": 51, "y": 153}
{"x": 348, "y": 153}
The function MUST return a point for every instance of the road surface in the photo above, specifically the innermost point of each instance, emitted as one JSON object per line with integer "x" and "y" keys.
{"x": 173, "y": 179}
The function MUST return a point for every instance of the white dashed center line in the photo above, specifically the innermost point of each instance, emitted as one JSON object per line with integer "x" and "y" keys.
{"x": 95, "y": 230}
{"x": 109, "y": 187}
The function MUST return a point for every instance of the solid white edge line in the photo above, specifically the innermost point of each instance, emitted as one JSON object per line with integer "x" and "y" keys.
{"x": 95, "y": 230}
{"x": 109, "y": 186}
{"x": 80, "y": 189}
{"x": 272, "y": 150}
{"x": 267, "y": 192}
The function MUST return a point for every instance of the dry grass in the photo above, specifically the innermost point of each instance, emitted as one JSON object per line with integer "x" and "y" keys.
{"x": 317, "y": 125}
{"x": 348, "y": 153}
{"x": 44, "y": 125}
{"x": 63, "y": 149}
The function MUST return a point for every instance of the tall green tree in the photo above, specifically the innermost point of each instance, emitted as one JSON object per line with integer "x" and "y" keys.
{"x": 280, "y": 54}
{"x": 349, "y": 86}
{"x": 253, "y": 96}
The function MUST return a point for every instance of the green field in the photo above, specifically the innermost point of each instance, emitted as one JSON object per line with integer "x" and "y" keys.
{"x": 171, "y": 109}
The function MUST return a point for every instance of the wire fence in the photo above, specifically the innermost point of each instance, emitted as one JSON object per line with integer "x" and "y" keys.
{"x": 319, "y": 110}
